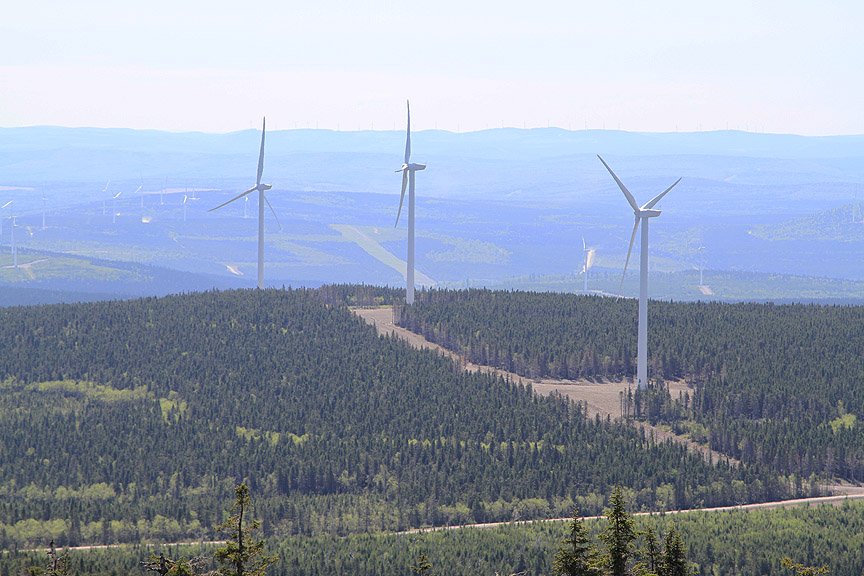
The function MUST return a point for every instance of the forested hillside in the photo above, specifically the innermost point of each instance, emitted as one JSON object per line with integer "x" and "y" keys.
{"x": 122, "y": 421}
{"x": 779, "y": 385}
{"x": 739, "y": 542}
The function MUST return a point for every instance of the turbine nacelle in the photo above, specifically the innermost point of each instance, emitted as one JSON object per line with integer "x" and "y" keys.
{"x": 648, "y": 213}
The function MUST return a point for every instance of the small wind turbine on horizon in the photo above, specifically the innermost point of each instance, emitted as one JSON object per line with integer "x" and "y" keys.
{"x": 105, "y": 191}
{"x": 701, "y": 252}
{"x": 408, "y": 170}
{"x": 261, "y": 188}
{"x": 641, "y": 216}
{"x": 9, "y": 203}
{"x": 14, "y": 247}
{"x": 114, "y": 207}
{"x": 13, "y": 224}
{"x": 589, "y": 261}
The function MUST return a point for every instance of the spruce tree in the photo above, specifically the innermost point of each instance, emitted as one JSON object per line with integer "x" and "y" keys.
{"x": 674, "y": 558}
{"x": 618, "y": 535}
{"x": 242, "y": 555}
{"x": 652, "y": 555}
{"x": 576, "y": 556}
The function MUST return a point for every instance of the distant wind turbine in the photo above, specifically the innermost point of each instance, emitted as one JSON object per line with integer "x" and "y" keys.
{"x": 43, "y": 206}
{"x": 261, "y": 188}
{"x": 9, "y": 203}
{"x": 589, "y": 260}
{"x": 701, "y": 252}
{"x": 185, "y": 198}
{"x": 408, "y": 170}
{"x": 105, "y": 191}
{"x": 13, "y": 249}
{"x": 642, "y": 215}
{"x": 114, "y": 207}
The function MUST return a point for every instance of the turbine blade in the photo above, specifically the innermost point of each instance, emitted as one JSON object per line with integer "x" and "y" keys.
{"x": 659, "y": 196}
{"x": 261, "y": 154}
{"x": 408, "y": 139}
{"x": 249, "y": 191}
{"x": 583, "y": 244}
{"x": 627, "y": 193}
{"x": 629, "y": 250}
{"x": 273, "y": 211}
{"x": 117, "y": 195}
{"x": 402, "y": 198}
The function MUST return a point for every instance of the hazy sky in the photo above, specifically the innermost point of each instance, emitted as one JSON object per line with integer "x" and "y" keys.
{"x": 217, "y": 66}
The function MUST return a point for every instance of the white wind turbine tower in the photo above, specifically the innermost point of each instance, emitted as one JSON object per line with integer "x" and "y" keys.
{"x": 701, "y": 252}
{"x": 589, "y": 261}
{"x": 261, "y": 188}
{"x": 114, "y": 207}
{"x": 9, "y": 203}
{"x": 184, "y": 206}
{"x": 642, "y": 215}
{"x": 105, "y": 191}
{"x": 14, "y": 248}
{"x": 408, "y": 170}
{"x": 43, "y": 206}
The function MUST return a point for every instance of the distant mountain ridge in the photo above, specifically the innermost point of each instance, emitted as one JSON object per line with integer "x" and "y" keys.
{"x": 502, "y": 143}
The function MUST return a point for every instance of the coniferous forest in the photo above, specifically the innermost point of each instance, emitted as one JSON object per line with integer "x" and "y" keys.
{"x": 736, "y": 542}
{"x": 778, "y": 385}
{"x": 134, "y": 420}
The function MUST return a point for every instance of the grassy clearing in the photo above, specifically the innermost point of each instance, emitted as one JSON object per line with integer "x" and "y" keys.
{"x": 368, "y": 238}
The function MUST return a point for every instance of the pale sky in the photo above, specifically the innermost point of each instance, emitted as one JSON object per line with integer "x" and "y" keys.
{"x": 775, "y": 66}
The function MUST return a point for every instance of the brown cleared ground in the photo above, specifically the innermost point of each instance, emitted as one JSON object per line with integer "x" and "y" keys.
{"x": 603, "y": 397}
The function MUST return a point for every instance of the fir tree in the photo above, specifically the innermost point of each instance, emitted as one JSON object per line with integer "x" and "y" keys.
{"x": 242, "y": 555}
{"x": 423, "y": 565}
{"x": 618, "y": 535}
{"x": 674, "y": 558}
{"x": 652, "y": 555}
{"x": 577, "y": 555}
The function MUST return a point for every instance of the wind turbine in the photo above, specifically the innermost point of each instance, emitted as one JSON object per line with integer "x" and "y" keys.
{"x": 701, "y": 252}
{"x": 14, "y": 248}
{"x": 408, "y": 170}
{"x": 43, "y": 206}
{"x": 114, "y": 207}
{"x": 642, "y": 215}
{"x": 104, "y": 191}
{"x": 13, "y": 225}
{"x": 1, "y": 219}
{"x": 589, "y": 260}
{"x": 261, "y": 188}
{"x": 184, "y": 207}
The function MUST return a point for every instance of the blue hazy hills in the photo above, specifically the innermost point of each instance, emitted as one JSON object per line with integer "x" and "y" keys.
{"x": 493, "y": 205}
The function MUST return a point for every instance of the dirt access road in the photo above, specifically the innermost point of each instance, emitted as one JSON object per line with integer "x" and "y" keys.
{"x": 855, "y": 493}
{"x": 601, "y": 398}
